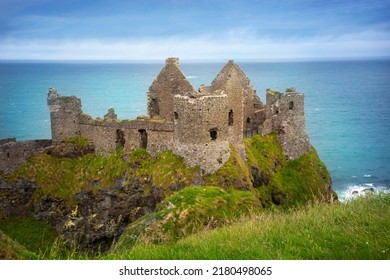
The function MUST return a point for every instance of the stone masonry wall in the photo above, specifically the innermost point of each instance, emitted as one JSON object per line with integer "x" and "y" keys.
{"x": 201, "y": 131}
{"x": 236, "y": 128}
{"x": 197, "y": 117}
{"x": 14, "y": 154}
{"x": 64, "y": 115}
{"x": 285, "y": 115}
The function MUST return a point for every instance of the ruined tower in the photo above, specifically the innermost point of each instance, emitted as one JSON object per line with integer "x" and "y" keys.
{"x": 285, "y": 115}
{"x": 65, "y": 114}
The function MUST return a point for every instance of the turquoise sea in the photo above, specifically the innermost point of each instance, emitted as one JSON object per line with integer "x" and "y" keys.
{"x": 347, "y": 104}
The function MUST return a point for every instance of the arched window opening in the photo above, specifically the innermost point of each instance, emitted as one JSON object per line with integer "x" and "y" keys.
{"x": 291, "y": 105}
{"x": 176, "y": 115}
{"x": 248, "y": 120}
{"x": 213, "y": 134}
{"x": 231, "y": 120}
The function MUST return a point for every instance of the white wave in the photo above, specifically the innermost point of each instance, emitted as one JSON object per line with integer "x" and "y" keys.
{"x": 362, "y": 189}
{"x": 367, "y": 175}
{"x": 191, "y": 77}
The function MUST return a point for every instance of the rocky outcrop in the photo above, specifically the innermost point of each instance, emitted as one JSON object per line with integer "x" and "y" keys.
{"x": 16, "y": 199}
{"x": 94, "y": 221}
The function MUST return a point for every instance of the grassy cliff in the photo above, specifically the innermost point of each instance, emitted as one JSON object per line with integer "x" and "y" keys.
{"x": 175, "y": 201}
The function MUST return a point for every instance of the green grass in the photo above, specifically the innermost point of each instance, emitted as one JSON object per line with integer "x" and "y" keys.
{"x": 287, "y": 183}
{"x": 358, "y": 229}
{"x": 65, "y": 177}
{"x": 35, "y": 236}
{"x": 303, "y": 180}
{"x": 186, "y": 210}
{"x": 80, "y": 142}
{"x": 12, "y": 250}
{"x": 166, "y": 170}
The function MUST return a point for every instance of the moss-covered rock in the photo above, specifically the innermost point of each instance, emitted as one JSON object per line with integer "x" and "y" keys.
{"x": 302, "y": 181}
{"x": 233, "y": 174}
{"x": 189, "y": 211}
{"x": 286, "y": 183}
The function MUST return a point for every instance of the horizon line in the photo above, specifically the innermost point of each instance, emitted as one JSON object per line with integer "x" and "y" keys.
{"x": 197, "y": 60}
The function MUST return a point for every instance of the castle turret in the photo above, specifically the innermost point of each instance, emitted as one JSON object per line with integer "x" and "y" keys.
{"x": 65, "y": 114}
{"x": 285, "y": 115}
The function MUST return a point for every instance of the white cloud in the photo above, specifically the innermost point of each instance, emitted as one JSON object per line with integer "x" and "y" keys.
{"x": 240, "y": 44}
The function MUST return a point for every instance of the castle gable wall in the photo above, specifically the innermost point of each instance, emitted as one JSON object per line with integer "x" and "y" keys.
{"x": 169, "y": 82}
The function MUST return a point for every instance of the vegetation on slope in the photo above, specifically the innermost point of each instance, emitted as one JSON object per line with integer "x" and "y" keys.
{"x": 65, "y": 177}
{"x": 11, "y": 250}
{"x": 35, "y": 236}
{"x": 357, "y": 229}
{"x": 189, "y": 211}
{"x": 286, "y": 183}
{"x": 233, "y": 174}
{"x": 166, "y": 170}
{"x": 238, "y": 188}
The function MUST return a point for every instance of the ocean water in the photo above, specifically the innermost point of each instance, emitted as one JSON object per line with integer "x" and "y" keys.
{"x": 347, "y": 104}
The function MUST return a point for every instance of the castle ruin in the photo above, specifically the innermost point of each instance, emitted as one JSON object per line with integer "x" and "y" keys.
{"x": 198, "y": 125}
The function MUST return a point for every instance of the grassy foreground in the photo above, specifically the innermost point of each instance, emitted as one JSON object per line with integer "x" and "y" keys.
{"x": 358, "y": 229}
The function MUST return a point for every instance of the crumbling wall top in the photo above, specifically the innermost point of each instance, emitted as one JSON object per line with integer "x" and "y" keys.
{"x": 172, "y": 61}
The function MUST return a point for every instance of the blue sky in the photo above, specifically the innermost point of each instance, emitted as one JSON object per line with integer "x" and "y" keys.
{"x": 220, "y": 29}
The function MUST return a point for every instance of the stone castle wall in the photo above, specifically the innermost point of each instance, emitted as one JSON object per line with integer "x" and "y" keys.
{"x": 109, "y": 134}
{"x": 201, "y": 131}
{"x": 14, "y": 154}
{"x": 285, "y": 115}
{"x": 64, "y": 114}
